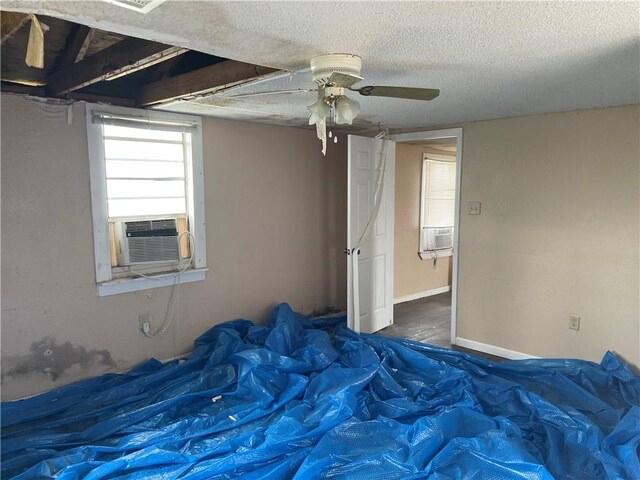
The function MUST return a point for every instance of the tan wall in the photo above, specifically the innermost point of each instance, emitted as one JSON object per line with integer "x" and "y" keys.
{"x": 337, "y": 214}
{"x": 274, "y": 233}
{"x": 412, "y": 274}
{"x": 558, "y": 234}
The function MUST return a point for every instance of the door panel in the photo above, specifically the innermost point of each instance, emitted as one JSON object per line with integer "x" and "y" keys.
{"x": 375, "y": 260}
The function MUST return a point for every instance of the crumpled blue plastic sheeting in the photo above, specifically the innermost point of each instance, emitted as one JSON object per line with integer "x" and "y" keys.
{"x": 311, "y": 399}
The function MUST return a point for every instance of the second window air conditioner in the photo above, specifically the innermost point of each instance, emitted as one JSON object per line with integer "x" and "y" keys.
{"x": 439, "y": 238}
{"x": 141, "y": 242}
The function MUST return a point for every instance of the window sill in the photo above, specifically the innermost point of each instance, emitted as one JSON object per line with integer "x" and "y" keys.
{"x": 126, "y": 285}
{"x": 427, "y": 255}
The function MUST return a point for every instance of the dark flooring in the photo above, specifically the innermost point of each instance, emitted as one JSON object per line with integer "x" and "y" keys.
{"x": 427, "y": 320}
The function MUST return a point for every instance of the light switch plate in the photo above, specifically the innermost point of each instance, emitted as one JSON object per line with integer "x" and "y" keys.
{"x": 574, "y": 322}
{"x": 474, "y": 208}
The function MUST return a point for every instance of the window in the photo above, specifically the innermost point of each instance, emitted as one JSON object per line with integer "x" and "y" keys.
{"x": 437, "y": 210}
{"x": 147, "y": 198}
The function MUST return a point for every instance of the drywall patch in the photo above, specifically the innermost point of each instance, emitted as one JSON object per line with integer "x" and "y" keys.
{"x": 53, "y": 359}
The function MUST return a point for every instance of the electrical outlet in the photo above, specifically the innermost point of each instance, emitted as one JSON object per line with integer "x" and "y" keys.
{"x": 574, "y": 322}
{"x": 474, "y": 208}
{"x": 144, "y": 320}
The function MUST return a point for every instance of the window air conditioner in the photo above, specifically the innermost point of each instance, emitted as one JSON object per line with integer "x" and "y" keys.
{"x": 439, "y": 238}
{"x": 147, "y": 241}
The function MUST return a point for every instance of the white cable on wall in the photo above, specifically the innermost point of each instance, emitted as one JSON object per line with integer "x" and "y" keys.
{"x": 174, "y": 299}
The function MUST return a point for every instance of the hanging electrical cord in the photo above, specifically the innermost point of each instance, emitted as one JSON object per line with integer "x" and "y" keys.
{"x": 174, "y": 299}
{"x": 434, "y": 255}
{"x": 355, "y": 251}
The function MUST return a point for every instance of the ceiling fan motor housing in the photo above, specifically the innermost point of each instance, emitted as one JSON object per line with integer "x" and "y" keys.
{"x": 324, "y": 65}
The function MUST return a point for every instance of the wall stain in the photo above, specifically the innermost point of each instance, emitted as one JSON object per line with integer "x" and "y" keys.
{"x": 53, "y": 359}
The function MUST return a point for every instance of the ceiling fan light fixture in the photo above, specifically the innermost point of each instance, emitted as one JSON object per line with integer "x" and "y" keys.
{"x": 346, "y": 110}
{"x": 319, "y": 111}
{"x": 323, "y": 66}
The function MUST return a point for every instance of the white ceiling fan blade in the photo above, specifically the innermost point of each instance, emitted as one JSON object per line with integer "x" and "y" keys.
{"x": 409, "y": 93}
{"x": 274, "y": 92}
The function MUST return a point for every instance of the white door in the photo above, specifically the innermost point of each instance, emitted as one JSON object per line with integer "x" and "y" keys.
{"x": 374, "y": 276}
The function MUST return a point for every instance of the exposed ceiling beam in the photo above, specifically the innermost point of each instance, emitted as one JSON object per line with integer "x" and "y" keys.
{"x": 11, "y": 22}
{"x": 207, "y": 80}
{"x": 77, "y": 46}
{"x": 93, "y": 98}
{"x": 163, "y": 70}
{"x": 123, "y": 58}
{"x": 23, "y": 89}
{"x": 87, "y": 97}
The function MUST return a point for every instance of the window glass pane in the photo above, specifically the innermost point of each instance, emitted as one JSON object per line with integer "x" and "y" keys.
{"x": 440, "y": 213}
{"x": 145, "y": 206}
{"x": 143, "y": 150}
{"x": 145, "y": 188}
{"x": 145, "y": 175}
{"x": 439, "y": 193}
{"x": 120, "y": 168}
{"x": 115, "y": 131}
{"x": 442, "y": 180}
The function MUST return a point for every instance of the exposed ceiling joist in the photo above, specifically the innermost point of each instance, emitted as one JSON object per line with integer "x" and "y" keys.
{"x": 23, "y": 89}
{"x": 207, "y": 80}
{"x": 93, "y": 98}
{"x": 123, "y": 58}
{"x": 77, "y": 46}
{"x": 87, "y": 97}
{"x": 11, "y": 23}
{"x": 163, "y": 70}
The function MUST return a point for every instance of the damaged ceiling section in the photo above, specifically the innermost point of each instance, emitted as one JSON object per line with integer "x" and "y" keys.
{"x": 83, "y": 63}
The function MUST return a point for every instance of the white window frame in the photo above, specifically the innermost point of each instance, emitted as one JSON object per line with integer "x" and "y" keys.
{"x": 106, "y": 284}
{"x": 433, "y": 254}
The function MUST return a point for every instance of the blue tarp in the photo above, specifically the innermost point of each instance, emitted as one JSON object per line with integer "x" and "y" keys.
{"x": 312, "y": 399}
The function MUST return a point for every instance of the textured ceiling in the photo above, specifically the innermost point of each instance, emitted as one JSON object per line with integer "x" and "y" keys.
{"x": 490, "y": 59}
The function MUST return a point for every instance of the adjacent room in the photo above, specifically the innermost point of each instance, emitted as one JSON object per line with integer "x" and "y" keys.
{"x": 300, "y": 240}
{"x": 424, "y": 225}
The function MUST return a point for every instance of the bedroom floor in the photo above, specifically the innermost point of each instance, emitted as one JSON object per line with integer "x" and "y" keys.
{"x": 424, "y": 320}
{"x": 427, "y": 320}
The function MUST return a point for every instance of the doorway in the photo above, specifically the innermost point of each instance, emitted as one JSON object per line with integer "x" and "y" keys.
{"x": 427, "y": 206}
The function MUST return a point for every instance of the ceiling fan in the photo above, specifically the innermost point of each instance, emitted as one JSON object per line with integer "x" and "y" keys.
{"x": 335, "y": 75}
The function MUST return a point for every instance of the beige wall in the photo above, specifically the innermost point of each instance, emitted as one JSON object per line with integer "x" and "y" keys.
{"x": 337, "y": 214}
{"x": 274, "y": 233}
{"x": 558, "y": 234}
{"x": 412, "y": 274}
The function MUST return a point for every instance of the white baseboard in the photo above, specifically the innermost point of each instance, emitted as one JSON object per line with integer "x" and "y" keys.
{"x": 492, "y": 349}
{"x": 426, "y": 293}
